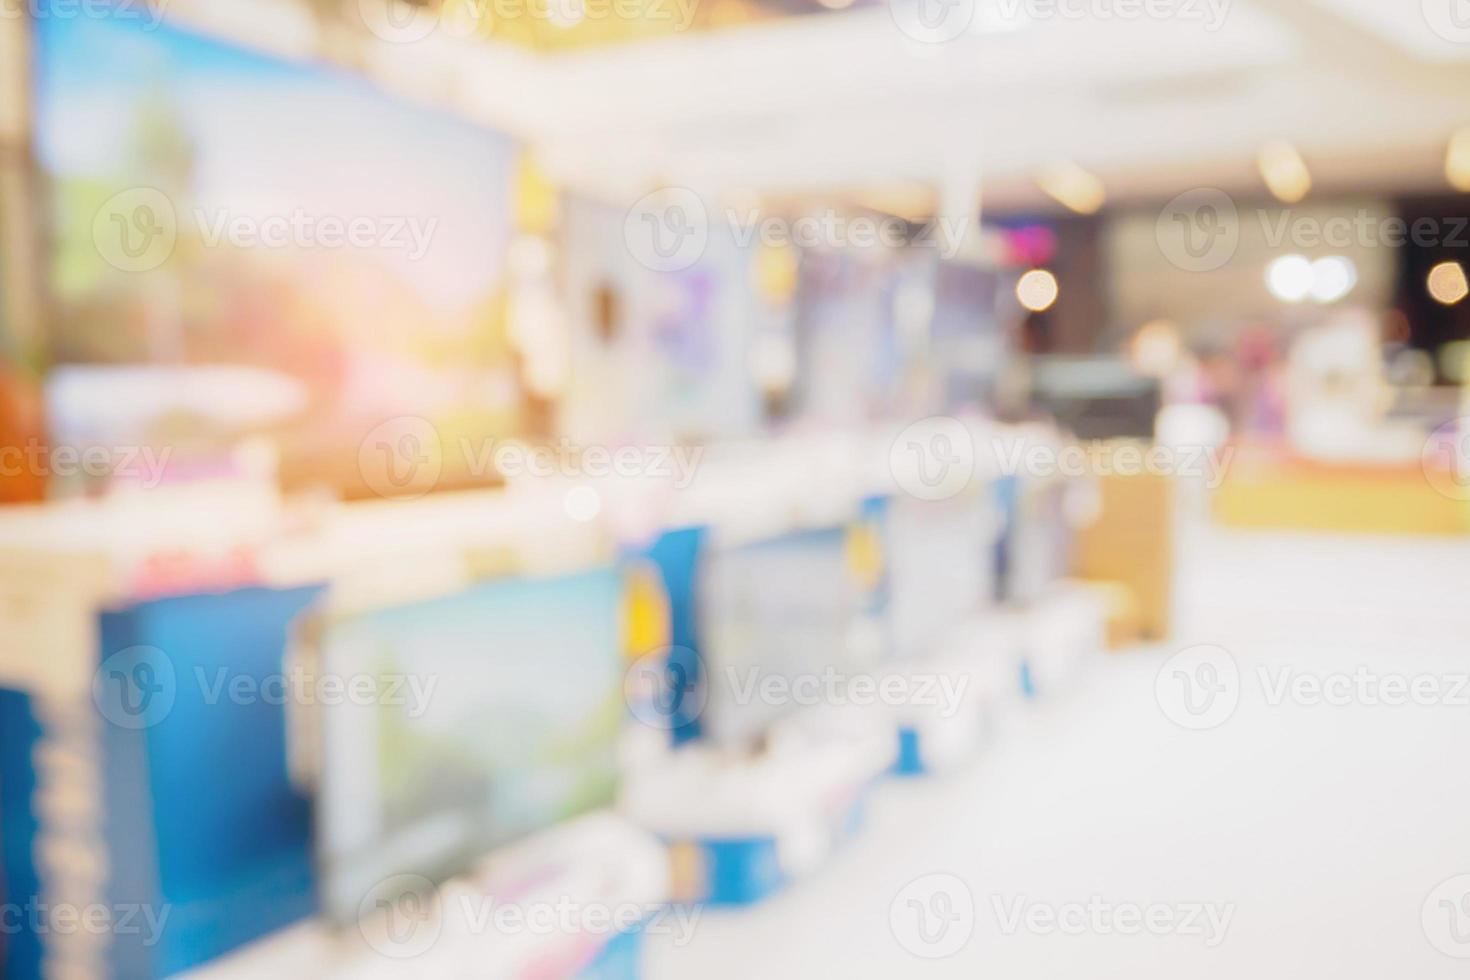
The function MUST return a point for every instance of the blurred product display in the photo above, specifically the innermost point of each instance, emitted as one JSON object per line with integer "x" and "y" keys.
{"x": 585, "y": 491}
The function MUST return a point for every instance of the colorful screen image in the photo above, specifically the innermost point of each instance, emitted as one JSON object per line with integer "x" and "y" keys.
{"x": 969, "y": 343}
{"x": 495, "y": 713}
{"x": 786, "y": 608}
{"x": 848, "y": 355}
{"x": 212, "y": 206}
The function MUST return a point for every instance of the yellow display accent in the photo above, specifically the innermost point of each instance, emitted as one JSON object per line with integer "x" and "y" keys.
{"x": 775, "y": 273}
{"x": 646, "y": 619}
{"x": 865, "y": 554}
{"x": 688, "y": 872}
{"x": 562, "y": 25}
{"x": 1322, "y": 497}
{"x": 535, "y": 198}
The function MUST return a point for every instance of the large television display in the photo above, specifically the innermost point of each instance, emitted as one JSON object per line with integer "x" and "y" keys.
{"x": 507, "y": 709}
{"x": 788, "y": 607}
{"x": 212, "y": 207}
{"x": 940, "y": 567}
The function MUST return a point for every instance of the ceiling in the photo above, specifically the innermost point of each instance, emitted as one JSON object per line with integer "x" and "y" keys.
{"x": 1368, "y": 90}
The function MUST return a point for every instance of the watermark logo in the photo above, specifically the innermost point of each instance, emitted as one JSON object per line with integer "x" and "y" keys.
{"x": 662, "y": 688}
{"x": 1446, "y": 459}
{"x": 933, "y": 459}
{"x": 1198, "y": 688}
{"x": 402, "y": 458}
{"x": 1446, "y": 917}
{"x": 1202, "y": 920}
{"x": 1199, "y": 230}
{"x": 1450, "y": 19}
{"x": 667, "y": 230}
{"x": 135, "y": 688}
{"x": 933, "y": 916}
{"x": 136, "y": 230}
{"x": 399, "y": 22}
{"x": 932, "y": 21}
{"x": 401, "y": 917}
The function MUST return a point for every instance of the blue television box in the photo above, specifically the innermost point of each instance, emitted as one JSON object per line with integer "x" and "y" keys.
{"x": 147, "y": 818}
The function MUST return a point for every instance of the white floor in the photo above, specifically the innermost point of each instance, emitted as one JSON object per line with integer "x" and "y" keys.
{"x": 1321, "y": 831}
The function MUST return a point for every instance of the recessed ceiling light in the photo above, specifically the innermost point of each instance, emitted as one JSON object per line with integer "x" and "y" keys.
{"x": 1290, "y": 278}
{"x": 1037, "y": 290}
{"x": 1333, "y": 278}
{"x": 1284, "y": 171}
{"x": 1447, "y": 283}
{"x": 1073, "y": 187}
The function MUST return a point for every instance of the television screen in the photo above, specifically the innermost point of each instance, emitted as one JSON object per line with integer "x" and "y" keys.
{"x": 940, "y": 567}
{"x": 782, "y": 608}
{"x": 507, "y": 701}
{"x": 848, "y": 351}
{"x": 339, "y": 252}
{"x": 969, "y": 343}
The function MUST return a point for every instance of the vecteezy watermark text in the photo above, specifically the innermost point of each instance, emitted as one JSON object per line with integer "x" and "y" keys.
{"x": 670, "y": 687}
{"x": 1201, "y": 686}
{"x": 935, "y": 915}
{"x": 405, "y": 916}
{"x": 669, "y": 229}
{"x": 144, "y": 464}
{"x": 833, "y": 687}
{"x": 938, "y": 21}
{"x": 150, "y": 12}
{"x": 400, "y": 22}
{"x": 1208, "y": 463}
{"x": 405, "y": 457}
{"x": 1201, "y": 229}
{"x": 935, "y": 458}
{"x": 40, "y": 918}
{"x": 1204, "y": 920}
{"x": 137, "y": 230}
{"x": 139, "y": 686}
{"x": 412, "y": 692}
{"x": 1362, "y": 686}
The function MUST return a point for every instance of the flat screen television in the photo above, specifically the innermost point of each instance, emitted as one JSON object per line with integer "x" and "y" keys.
{"x": 940, "y": 567}
{"x": 969, "y": 345}
{"x": 512, "y": 727}
{"x": 211, "y": 208}
{"x": 784, "y": 607}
